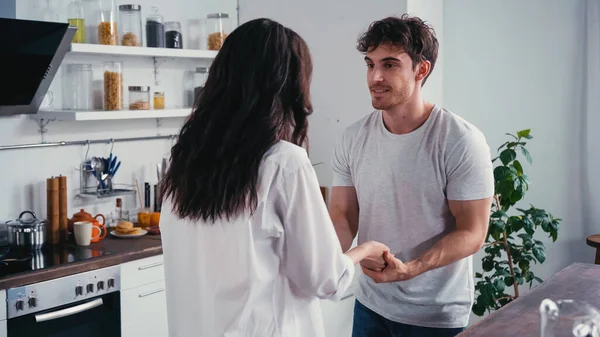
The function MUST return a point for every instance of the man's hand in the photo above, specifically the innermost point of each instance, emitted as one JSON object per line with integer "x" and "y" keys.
{"x": 395, "y": 270}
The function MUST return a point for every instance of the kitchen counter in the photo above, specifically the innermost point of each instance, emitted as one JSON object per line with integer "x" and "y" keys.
{"x": 121, "y": 251}
{"x": 521, "y": 318}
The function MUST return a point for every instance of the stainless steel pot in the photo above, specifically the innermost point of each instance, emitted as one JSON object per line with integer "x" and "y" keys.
{"x": 27, "y": 233}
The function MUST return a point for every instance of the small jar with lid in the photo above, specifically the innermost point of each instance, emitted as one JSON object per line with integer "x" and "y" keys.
{"x": 130, "y": 25}
{"x": 139, "y": 98}
{"x": 218, "y": 27}
{"x": 173, "y": 37}
{"x": 113, "y": 85}
{"x": 159, "y": 100}
{"x": 107, "y": 26}
{"x": 155, "y": 29}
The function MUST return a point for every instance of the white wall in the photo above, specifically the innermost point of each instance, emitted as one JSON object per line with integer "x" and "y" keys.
{"x": 23, "y": 172}
{"x": 339, "y": 87}
{"x": 512, "y": 65}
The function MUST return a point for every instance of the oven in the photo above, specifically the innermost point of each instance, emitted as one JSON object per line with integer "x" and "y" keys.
{"x": 83, "y": 305}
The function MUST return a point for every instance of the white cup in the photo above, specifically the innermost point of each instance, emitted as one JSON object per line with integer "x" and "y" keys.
{"x": 83, "y": 232}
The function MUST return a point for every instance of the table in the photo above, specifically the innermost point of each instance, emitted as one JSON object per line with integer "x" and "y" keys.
{"x": 579, "y": 281}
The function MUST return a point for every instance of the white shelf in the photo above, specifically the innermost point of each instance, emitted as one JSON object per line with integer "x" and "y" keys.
{"x": 98, "y": 49}
{"x": 97, "y": 115}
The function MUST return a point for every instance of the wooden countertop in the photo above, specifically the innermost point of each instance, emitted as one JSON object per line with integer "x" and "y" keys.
{"x": 121, "y": 251}
{"x": 578, "y": 281}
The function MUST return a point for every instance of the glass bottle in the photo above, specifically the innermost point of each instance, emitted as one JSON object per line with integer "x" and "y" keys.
{"x": 75, "y": 17}
{"x": 173, "y": 37}
{"x": 155, "y": 29}
{"x": 139, "y": 98}
{"x": 159, "y": 100}
{"x": 218, "y": 27}
{"x": 107, "y": 26}
{"x": 130, "y": 23}
{"x": 78, "y": 87}
{"x": 565, "y": 318}
{"x": 113, "y": 85}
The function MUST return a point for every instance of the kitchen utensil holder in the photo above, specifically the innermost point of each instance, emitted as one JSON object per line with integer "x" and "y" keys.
{"x": 90, "y": 186}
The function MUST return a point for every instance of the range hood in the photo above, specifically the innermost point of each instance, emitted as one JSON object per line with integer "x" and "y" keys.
{"x": 30, "y": 54}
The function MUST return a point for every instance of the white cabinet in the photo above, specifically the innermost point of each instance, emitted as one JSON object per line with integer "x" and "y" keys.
{"x": 143, "y": 299}
{"x": 3, "y": 332}
{"x": 3, "y": 329}
{"x": 144, "y": 311}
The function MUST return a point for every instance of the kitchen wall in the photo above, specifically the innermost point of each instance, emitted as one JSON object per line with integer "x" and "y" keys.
{"x": 23, "y": 172}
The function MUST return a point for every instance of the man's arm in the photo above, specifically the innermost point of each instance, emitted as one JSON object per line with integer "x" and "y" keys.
{"x": 343, "y": 210}
{"x": 472, "y": 217}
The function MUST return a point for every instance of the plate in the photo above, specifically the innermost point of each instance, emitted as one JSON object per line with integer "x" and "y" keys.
{"x": 129, "y": 236}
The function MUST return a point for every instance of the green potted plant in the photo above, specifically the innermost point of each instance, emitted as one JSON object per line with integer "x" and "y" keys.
{"x": 511, "y": 248}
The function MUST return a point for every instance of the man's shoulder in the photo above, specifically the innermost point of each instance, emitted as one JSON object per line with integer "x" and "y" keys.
{"x": 454, "y": 129}
{"x": 361, "y": 126}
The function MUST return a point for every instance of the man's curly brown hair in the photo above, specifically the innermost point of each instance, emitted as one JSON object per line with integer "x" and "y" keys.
{"x": 411, "y": 34}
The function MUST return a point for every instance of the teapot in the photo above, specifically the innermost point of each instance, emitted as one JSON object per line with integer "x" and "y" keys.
{"x": 567, "y": 317}
{"x": 82, "y": 215}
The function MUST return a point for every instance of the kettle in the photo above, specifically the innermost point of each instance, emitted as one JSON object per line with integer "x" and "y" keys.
{"x": 82, "y": 215}
{"x": 565, "y": 318}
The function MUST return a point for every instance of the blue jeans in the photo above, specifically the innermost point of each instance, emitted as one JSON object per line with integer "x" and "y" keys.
{"x": 369, "y": 324}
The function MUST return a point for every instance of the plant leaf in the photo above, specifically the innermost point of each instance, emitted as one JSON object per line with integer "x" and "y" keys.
{"x": 510, "y": 134}
{"x": 518, "y": 167}
{"x": 539, "y": 253}
{"x": 524, "y": 133}
{"x": 526, "y": 154}
{"x": 507, "y": 156}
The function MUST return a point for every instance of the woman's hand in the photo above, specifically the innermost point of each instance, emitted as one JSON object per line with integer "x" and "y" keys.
{"x": 371, "y": 253}
{"x": 375, "y": 261}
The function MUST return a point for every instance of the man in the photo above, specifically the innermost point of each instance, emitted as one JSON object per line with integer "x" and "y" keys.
{"x": 417, "y": 178}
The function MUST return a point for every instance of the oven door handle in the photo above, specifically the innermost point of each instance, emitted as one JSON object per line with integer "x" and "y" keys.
{"x": 68, "y": 311}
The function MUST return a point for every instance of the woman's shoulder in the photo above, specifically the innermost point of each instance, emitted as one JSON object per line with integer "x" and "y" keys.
{"x": 286, "y": 156}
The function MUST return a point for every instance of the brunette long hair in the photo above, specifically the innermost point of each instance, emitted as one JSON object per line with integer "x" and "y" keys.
{"x": 257, "y": 93}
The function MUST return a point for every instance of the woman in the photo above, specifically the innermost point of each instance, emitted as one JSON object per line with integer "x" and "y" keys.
{"x": 248, "y": 244}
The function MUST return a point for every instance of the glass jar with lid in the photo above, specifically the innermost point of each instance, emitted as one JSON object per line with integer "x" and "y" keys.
{"x": 75, "y": 17}
{"x": 113, "y": 85}
{"x": 130, "y": 25}
{"x": 139, "y": 98}
{"x": 173, "y": 37}
{"x": 218, "y": 27}
{"x": 155, "y": 29}
{"x": 200, "y": 76}
{"x": 159, "y": 100}
{"x": 107, "y": 25}
{"x": 78, "y": 87}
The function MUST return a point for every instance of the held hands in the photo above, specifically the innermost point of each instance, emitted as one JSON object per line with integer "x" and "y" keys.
{"x": 374, "y": 259}
{"x": 395, "y": 270}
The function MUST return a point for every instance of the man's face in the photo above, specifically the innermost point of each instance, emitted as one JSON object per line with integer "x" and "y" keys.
{"x": 390, "y": 76}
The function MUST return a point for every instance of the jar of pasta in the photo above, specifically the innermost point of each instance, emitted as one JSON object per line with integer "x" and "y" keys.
{"x": 218, "y": 27}
{"x": 107, "y": 26}
{"x": 113, "y": 85}
{"x": 130, "y": 25}
{"x": 139, "y": 98}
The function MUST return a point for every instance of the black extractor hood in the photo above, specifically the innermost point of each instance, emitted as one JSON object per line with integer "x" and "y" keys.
{"x": 30, "y": 54}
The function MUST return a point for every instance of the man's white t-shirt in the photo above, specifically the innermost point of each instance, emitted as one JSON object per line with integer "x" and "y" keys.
{"x": 403, "y": 183}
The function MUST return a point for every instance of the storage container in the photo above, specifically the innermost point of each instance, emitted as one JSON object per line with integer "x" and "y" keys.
{"x": 218, "y": 27}
{"x": 78, "y": 87}
{"x": 200, "y": 77}
{"x": 159, "y": 100}
{"x": 139, "y": 98}
{"x": 113, "y": 85}
{"x": 130, "y": 23}
{"x": 75, "y": 17}
{"x": 173, "y": 37}
{"x": 107, "y": 26}
{"x": 155, "y": 29}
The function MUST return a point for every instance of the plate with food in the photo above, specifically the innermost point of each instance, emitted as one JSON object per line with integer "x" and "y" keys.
{"x": 125, "y": 229}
